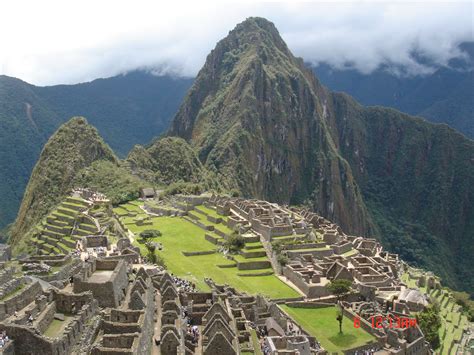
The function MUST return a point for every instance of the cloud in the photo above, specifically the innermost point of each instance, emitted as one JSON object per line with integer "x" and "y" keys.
{"x": 50, "y": 42}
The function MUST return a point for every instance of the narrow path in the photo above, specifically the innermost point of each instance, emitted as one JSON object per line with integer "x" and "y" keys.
{"x": 155, "y": 349}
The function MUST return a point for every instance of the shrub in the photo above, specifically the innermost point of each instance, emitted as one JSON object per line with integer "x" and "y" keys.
{"x": 430, "y": 322}
{"x": 152, "y": 256}
{"x": 282, "y": 259}
{"x": 150, "y": 233}
{"x": 235, "y": 243}
{"x": 277, "y": 247}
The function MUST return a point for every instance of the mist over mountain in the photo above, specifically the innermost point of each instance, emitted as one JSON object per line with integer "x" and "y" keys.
{"x": 444, "y": 96}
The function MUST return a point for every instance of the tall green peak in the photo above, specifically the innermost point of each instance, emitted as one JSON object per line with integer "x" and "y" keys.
{"x": 261, "y": 120}
{"x": 258, "y": 116}
{"x": 73, "y": 147}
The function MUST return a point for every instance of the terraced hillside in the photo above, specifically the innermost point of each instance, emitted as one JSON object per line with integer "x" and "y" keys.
{"x": 190, "y": 248}
{"x": 453, "y": 321}
{"x": 59, "y": 232}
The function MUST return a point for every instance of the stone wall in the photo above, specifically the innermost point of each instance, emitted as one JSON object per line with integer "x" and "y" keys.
{"x": 65, "y": 272}
{"x": 10, "y": 286}
{"x": 20, "y": 300}
{"x": 111, "y": 292}
{"x": 71, "y": 303}
{"x": 94, "y": 241}
{"x": 253, "y": 265}
{"x": 45, "y": 318}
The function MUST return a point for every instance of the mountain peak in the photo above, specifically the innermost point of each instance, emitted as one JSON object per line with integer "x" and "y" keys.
{"x": 74, "y": 146}
{"x": 254, "y": 31}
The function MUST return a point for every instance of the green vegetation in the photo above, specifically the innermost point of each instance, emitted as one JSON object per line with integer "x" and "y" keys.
{"x": 430, "y": 323}
{"x": 179, "y": 235}
{"x": 464, "y": 300}
{"x": 171, "y": 162}
{"x": 453, "y": 320}
{"x": 126, "y": 109}
{"x": 321, "y": 323}
{"x": 57, "y": 326}
{"x": 150, "y": 233}
{"x": 113, "y": 180}
{"x": 397, "y": 177}
{"x": 339, "y": 287}
{"x": 235, "y": 243}
{"x": 74, "y": 146}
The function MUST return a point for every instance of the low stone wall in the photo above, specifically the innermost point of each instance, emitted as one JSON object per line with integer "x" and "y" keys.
{"x": 51, "y": 260}
{"x": 214, "y": 220}
{"x": 94, "y": 241}
{"x": 253, "y": 265}
{"x": 318, "y": 254}
{"x": 118, "y": 328}
{"x": 311, "y": 304}
{"x": 200, "y": 224}
{"x": 220, "y": 233}
{"x": 45, "y": 318}
{"x": 264, "y": 273}
{"x": 65, "y": 272}
{"x": 341, "y": 249}
{"x": 304, "y": 246}
{"x": 10, "y": 286}
{"x": 212, "y": 239}
{"x": 253, "y": 254}
{"x": 197, "y": 253}
{"x": 20, "y": 300}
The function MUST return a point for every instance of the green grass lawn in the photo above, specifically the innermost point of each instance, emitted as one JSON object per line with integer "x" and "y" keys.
{"x": 56, "y": 327}
{"x": 209, "y": 211}
{"x": 351, "y": 252}
{"x": 220, "y": 226}
{"x": 180, "y": 235}
{"x": 322, "y": 324}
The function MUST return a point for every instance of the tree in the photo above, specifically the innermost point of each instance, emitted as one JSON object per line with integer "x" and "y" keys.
{"x": 282, "y": 259}
{"x": 339, "y": 288}
{"x": 235, "y": 243}
{"x": 430, "y": 322}
{"x": 151, "y": 252}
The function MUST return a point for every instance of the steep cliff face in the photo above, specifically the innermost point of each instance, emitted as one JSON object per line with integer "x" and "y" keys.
{"x": 258, "y": 116}
{"x": 417, "y": 180}
{"x": 74, "y": 146}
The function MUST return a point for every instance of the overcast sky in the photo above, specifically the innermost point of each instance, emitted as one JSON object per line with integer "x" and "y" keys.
{"x": 51, "y": 42}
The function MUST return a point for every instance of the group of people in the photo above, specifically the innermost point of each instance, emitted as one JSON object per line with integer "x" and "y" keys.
{"x": 3, "y": 339}
{"x": 193, "y": 330}
{"x": 184, "y": 285}
{"x": 264, "y": 347}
